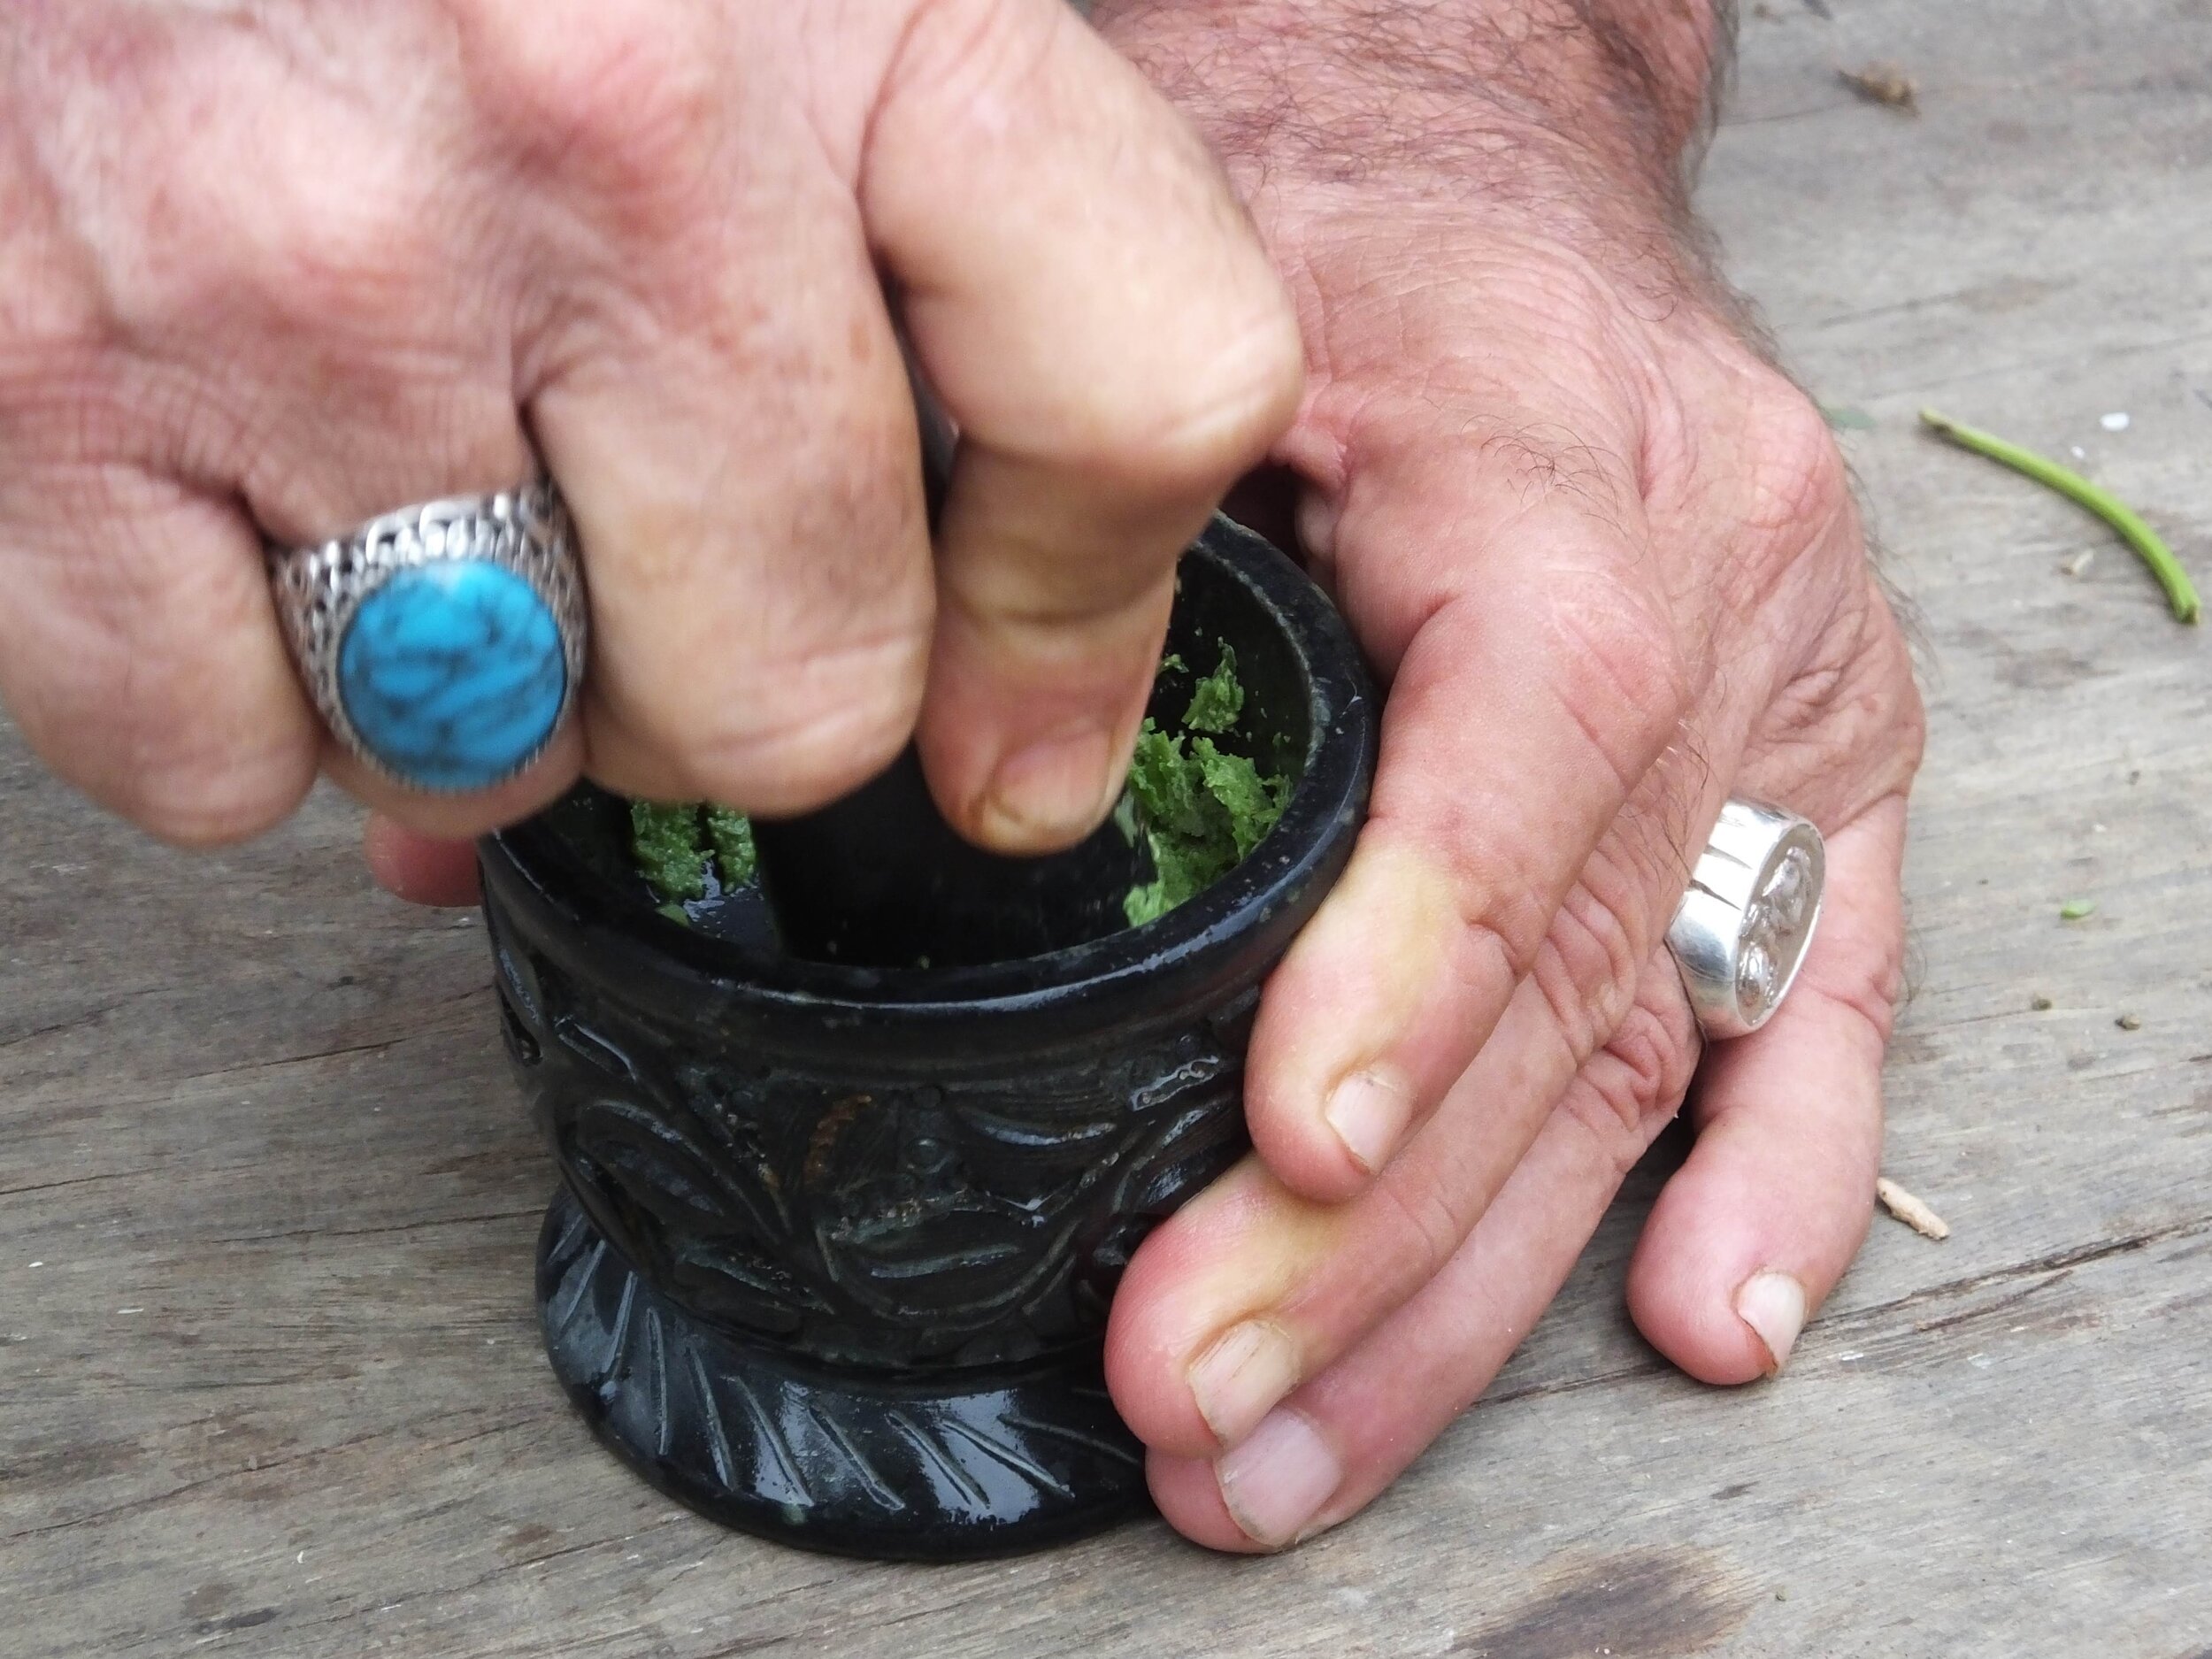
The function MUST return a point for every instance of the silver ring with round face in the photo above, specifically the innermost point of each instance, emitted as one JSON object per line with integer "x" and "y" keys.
{"x": 1742, "y": 930}
{"x": 443, "y": 644}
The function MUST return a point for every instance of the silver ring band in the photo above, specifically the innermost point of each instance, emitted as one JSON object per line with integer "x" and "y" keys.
{"x": 1742, "y": 931}
{"x": 444, "y": 643}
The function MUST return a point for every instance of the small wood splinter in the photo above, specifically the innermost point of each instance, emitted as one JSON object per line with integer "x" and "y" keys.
{"x": 1910, "y": 1210}
{"x": 1884, "y": 84}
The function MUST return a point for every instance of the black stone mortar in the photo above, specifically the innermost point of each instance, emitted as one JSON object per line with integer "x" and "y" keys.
{"x": 834, "y": 1247}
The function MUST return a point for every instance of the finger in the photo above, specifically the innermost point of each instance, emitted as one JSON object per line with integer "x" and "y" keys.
{"x": 1102, "y": 324}
{"x": 418, "y": 868}
{"x": 322, "y": 485}
{"x": 759, "y": 562}
{"x": 366, "y": 436}
{"x": 729, "y": 416}
{"x": 139, "y": 649}
{"x": 1753, "y": 1232}
{"x": 1327, "y": 1450}
{"x": 1525, "y": 709}
{"x": 1250, "y": 1288}
{"x": 461, "y": 818}
{"x": 325, "y": 356}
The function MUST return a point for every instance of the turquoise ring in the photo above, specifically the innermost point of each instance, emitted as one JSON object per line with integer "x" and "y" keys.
{"x": 443, "y": 644}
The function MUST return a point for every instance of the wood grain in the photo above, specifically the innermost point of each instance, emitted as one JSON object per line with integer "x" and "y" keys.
{"x": 269, "y": 1383}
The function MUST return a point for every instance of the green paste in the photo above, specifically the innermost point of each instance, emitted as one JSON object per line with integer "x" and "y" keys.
{"x": 1201, "y": 809}
{"x": 678, "y": 847}
{"x": 1217, "y": 700}
{"x": 731, "y": 835}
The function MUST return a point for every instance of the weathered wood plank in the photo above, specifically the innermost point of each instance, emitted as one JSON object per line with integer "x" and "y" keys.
{"x": 273, "y": 1388}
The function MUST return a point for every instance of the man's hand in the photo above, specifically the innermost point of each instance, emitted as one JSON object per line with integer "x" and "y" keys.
{"x": 279, "y": 268}
{"x": 1609, "y": 559}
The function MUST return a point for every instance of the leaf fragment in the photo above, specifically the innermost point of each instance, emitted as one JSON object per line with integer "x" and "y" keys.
{"x": 2181, "y": 594}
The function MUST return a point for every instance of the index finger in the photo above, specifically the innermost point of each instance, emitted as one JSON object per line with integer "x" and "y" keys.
{"x": 1530, "y": 702}
{"x": 1102, "y": 322}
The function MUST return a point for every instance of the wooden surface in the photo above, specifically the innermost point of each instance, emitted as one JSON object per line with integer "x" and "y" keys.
{"x": 269, "y": 1383}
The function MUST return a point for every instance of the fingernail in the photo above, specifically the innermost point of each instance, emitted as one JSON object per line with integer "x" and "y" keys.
{"x": 1369, "y": 1114}
{"x": 1052, "y": 791}
{"x": 1773, "y": 1305}
{"x": 1237, "y": 1381}
{"x": 1275, "y": 1482}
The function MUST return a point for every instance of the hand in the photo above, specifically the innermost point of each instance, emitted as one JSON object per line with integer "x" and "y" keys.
{"x": 281, "y": 268}
{"x": 1608, "y": 560}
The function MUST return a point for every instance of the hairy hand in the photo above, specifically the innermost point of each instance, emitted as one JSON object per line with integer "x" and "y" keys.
{"x": 1607, "y": 557}
{"x": 275, "y": 269}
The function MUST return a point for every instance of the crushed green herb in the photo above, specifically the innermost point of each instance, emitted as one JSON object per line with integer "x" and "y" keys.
{"x": 676, "y": 845}
{"x": 730, "y": 835}
{"x": 670, "y": 847}
{"x": 1217, "y": 700}
{"x": 1203, "y": 811}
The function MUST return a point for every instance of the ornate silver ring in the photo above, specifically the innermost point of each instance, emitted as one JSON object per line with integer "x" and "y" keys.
{"x": 443, "y": 644}
{"x": 1742, "y": 931}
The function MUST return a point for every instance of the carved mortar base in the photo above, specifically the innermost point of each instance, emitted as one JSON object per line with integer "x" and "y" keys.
{"x": 837, "y": 1246}
{"x": 970, "y": 1462}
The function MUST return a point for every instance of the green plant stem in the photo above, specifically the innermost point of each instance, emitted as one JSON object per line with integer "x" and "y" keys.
{"x": 2180, "y": 594}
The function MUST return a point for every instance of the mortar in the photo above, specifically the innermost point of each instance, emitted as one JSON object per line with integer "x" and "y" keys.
{"x": 834, "y": 1247}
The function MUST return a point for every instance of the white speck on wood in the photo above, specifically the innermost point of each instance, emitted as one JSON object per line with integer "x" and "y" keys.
{"x": 1910, "y": 1210}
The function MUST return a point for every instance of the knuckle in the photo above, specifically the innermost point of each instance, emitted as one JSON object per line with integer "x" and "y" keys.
{"x": 1872, "y": 994}
{"x": 1189, "y": 433}
{"x": 1430, "y": 1225}
{"x": 1658, "y": 1041}
{"x": 365, "y": 256}
{"x": 147, "y": 669}
{"x": 195, "y": 789}
{"x": 1586, "y": 968}
{"x": 792, "y": 737}
{"x": 618, "y": 98}
{"x": 1797, "y": 478}
{"x": 1241, "y": 398}
{"x": 962, "y": 54}
{"x": 1503, "y": 924}
{"x": 1902, "y": 708}
{"x": 1853, "y": 705}
{"x": 280, "y": 248}
{"x": 797, "y": 764}
{"x": 1634, "y": 1085}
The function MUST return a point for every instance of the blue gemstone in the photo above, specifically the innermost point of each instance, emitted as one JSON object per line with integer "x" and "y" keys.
{"x": 452, "y": 673}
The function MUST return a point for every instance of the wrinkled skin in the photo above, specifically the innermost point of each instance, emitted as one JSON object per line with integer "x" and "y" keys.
{"x": 1603, "y": 552}
{"x": 279, "y": 266}
{"x": 1608, "y": 560}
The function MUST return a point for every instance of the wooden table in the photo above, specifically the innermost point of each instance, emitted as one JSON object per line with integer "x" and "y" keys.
{"x": 269, "y": 1378}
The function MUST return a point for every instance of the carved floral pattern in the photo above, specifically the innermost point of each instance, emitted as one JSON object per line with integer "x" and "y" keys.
{"x": 980, "y": 1220}
{"x": 987, "y": 1461}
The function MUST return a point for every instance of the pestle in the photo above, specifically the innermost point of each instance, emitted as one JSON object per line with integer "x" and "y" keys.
{"x": 879, "y": 879}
